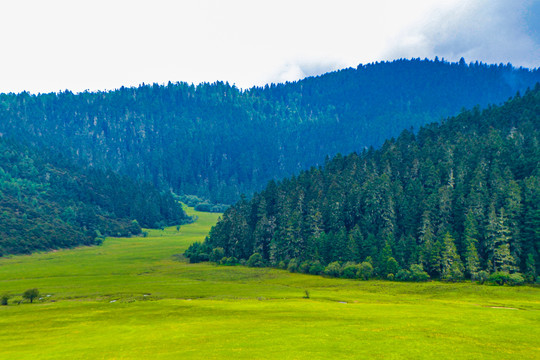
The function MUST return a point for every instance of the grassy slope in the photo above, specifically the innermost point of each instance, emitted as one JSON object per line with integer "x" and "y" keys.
{"x": 130, "y": 299}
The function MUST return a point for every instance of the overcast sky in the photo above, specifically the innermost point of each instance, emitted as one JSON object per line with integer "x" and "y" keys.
{"x": 97, "y": 45}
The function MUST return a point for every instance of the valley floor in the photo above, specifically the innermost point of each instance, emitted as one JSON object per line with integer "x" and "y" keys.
{"x": 134, "y": 299}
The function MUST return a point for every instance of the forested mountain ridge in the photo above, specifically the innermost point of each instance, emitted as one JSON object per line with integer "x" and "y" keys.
{"x": 48, "y": 203}
{"x": 457, "y": 199}
{"x": 216, "y": 141}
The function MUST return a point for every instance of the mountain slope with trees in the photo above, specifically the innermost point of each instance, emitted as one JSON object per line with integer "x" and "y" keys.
{"x": 48, "y": 203}
{"x": 217, "y": 142}
{"x": 458, "y": 199}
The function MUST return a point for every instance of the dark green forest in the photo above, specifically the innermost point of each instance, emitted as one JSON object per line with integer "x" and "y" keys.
{"x": 47, "y": 203}
{"x": 217, "y": 142}
{"x": 457, "y": 199}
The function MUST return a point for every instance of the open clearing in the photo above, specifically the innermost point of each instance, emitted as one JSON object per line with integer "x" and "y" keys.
{"x": 133, "y": 299}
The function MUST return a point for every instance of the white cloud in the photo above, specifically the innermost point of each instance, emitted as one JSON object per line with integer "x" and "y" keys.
{"x": 54, "y": 45}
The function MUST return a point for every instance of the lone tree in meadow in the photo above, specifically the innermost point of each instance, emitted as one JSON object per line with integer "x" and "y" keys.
{"x": 31, "y": 294}
{"x": 4, "y": 299}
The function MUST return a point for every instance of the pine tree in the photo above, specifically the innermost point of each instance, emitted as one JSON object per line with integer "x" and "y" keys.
{"x": 502, "y": 258}
{"x": 471, "y": 259}
{"x": 452, "y": 268}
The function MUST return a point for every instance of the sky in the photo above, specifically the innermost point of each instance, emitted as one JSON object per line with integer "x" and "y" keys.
{"x": 93, "y": 45}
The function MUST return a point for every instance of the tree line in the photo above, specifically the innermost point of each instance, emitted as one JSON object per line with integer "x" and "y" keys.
{"x": 217, "y": 142}
{"x": 456, "y": 200}
{"x": 47, "y": 202}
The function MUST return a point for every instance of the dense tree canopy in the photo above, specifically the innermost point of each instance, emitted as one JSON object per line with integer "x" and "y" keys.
{"x": 457, "y": 199}
{"x": 48, "y": 203}
{"x": 217, "y": 142}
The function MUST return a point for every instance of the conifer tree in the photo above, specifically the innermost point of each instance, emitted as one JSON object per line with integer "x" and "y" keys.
{"x": 471, "y": 259}
{"x": 452, "y": 268}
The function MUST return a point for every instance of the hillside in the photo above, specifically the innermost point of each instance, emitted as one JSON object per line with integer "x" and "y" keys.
{"x": 218, "y": 142}
{"x": 456, "y": 199}
{"x": 48, "y": 203}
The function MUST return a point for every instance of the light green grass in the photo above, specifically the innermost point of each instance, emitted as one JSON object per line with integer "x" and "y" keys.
{"x": 130, "y": 299}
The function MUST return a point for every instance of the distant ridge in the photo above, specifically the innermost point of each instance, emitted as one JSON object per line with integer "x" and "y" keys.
{"x": 218, "y": 142}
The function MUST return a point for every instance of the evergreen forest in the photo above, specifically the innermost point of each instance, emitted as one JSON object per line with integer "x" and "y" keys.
{"x": 216, "y": 142}
{"x": 457, "y": 199}
{"x": 46, "y": 202}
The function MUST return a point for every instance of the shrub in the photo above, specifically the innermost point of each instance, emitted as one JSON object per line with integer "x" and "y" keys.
{"x": 293, "y": 265}
{"x": 390, "y": 277}
{"x": 516, "y": 279}
{"x": 316, "y": 268}
{"x": 350, "y": 271}
{"x": 333, "y": 269}
{"x": 304, "y": 267}
{"x": 197, "y": 252}
{"x": 418, "y": 274}
{"x": 206, "y": 207}
{"x": 481, "y": 276}
{"x": 502, "y": 278}
{"x": 4, "y": 299}
{"x": 217, "y": 254}
{"x": 282, "y": 265}
{"x": 255, "y": 260}
{"x": 498, "y": 278}
{"x": 229, "y": 261}
{"x": 403, "y": 275}
{"x": 365, "y": 271}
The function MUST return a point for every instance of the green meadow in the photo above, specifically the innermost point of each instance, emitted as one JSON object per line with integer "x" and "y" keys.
{"x": 136, "y": 298}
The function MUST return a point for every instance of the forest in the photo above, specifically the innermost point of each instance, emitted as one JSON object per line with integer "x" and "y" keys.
{"x": 47, "y": 202}
{"x": 458, "y": 199}
{"x": 216, "y": 142}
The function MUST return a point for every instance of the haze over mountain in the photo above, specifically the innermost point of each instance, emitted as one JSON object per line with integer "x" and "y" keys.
{"x": 216, "y": 141}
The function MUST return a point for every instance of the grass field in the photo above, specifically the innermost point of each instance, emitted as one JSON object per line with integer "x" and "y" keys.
{"x": 133, "y": 299}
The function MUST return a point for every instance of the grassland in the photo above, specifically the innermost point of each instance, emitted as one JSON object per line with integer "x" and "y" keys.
{"x": 133, "y": 299}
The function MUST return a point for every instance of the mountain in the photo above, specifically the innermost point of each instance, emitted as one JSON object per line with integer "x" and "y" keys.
{"x": 217, "y": 142}
{"x": 455, "y": 199}
{"x": 47, "y": 203}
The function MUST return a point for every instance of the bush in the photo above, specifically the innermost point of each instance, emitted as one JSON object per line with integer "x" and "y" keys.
{"x": 293, "y": 265}
{"x": 316, "y": 268}
{"x": 304, "y": 267}
{"x": 333, "y": 269}
{"x": 217, "y": 254}
{"x": 197, "y": 252}
{"x": 390, "y": 277}
{"x": 206, "y": 207}
{"x": 255, "y": 260}
{"x": 481, "y": 276}
{"x": 365, "y": 271}
{"x": 229, "y": 261}
{"x": 403, "y": 275}
{"x": 282, "y": 265}
{"x": 350, "y": 271}
{"x": 4, "y": 299}
{"x": 516, "y": 279}
{"x": 418, "y": 274}
{"x": 502, "y": 278}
